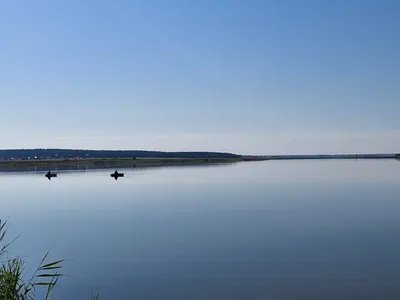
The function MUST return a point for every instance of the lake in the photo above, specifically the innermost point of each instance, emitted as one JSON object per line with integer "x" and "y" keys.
{"x": 327, "y": 229}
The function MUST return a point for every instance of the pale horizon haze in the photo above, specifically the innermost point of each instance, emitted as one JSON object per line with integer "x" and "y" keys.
{"x": 251, "y": 77}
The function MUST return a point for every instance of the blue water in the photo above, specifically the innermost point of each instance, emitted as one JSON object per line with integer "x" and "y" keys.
{"x": 255, "y": 230}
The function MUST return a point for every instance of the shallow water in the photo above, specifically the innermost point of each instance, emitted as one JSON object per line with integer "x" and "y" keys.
{"x": 254, "y": 230}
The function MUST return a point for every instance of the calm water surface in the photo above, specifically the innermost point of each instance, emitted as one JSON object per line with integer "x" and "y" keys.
{"x": 262, "y": 230}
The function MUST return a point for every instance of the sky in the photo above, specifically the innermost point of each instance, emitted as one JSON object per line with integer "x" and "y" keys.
{"x": 251, "y": 77}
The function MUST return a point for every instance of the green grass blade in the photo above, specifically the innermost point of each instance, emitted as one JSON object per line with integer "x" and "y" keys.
{"x": 50, "y": 275}
{"x": 44, "y": 267}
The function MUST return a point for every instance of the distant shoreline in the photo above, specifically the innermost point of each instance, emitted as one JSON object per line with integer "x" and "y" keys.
{"x": 116, "y": 162}
{"x": 331, "y": 156}
{"x": 15, "y": 164}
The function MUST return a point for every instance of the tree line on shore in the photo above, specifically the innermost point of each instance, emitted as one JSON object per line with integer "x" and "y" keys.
{"x": 79, "y": 153}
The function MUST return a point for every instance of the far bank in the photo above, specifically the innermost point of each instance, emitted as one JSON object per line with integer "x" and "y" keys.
{"x": 115, "y": 162}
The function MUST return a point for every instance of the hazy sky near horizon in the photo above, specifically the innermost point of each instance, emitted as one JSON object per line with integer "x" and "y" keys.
{"x": 239, "y": 76}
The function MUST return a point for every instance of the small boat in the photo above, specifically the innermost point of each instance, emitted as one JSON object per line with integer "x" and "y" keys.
{"x": 50, "y": 174}
{"x": 116, "y": 175}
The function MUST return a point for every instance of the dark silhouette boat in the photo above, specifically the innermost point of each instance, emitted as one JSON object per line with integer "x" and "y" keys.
{"x": 116, "y": 175}
{"x": 50, "y": 174}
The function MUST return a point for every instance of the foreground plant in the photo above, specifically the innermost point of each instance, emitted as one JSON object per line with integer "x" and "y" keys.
{"x": 14, "y": 285}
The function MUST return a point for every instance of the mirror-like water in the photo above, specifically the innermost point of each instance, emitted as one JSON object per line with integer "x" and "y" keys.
{"x": 262, "y": 230}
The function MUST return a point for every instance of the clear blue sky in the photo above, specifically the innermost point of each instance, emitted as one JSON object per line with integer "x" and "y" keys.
{"x": 240, "y": 76}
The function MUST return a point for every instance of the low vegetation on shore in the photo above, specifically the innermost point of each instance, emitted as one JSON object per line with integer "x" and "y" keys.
{"x": 113, "y": 162}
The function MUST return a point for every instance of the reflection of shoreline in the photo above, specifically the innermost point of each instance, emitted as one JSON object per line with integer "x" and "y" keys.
{"x": 132, "y": 168}
{"x": 94, "y": 164}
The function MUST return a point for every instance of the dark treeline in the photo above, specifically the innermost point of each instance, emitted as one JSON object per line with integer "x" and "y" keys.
{"x": 73, "y": 153}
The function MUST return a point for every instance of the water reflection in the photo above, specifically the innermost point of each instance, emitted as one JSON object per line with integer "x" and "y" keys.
{"x": 125, "y": 166}
{"x": 269, "y": 230}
